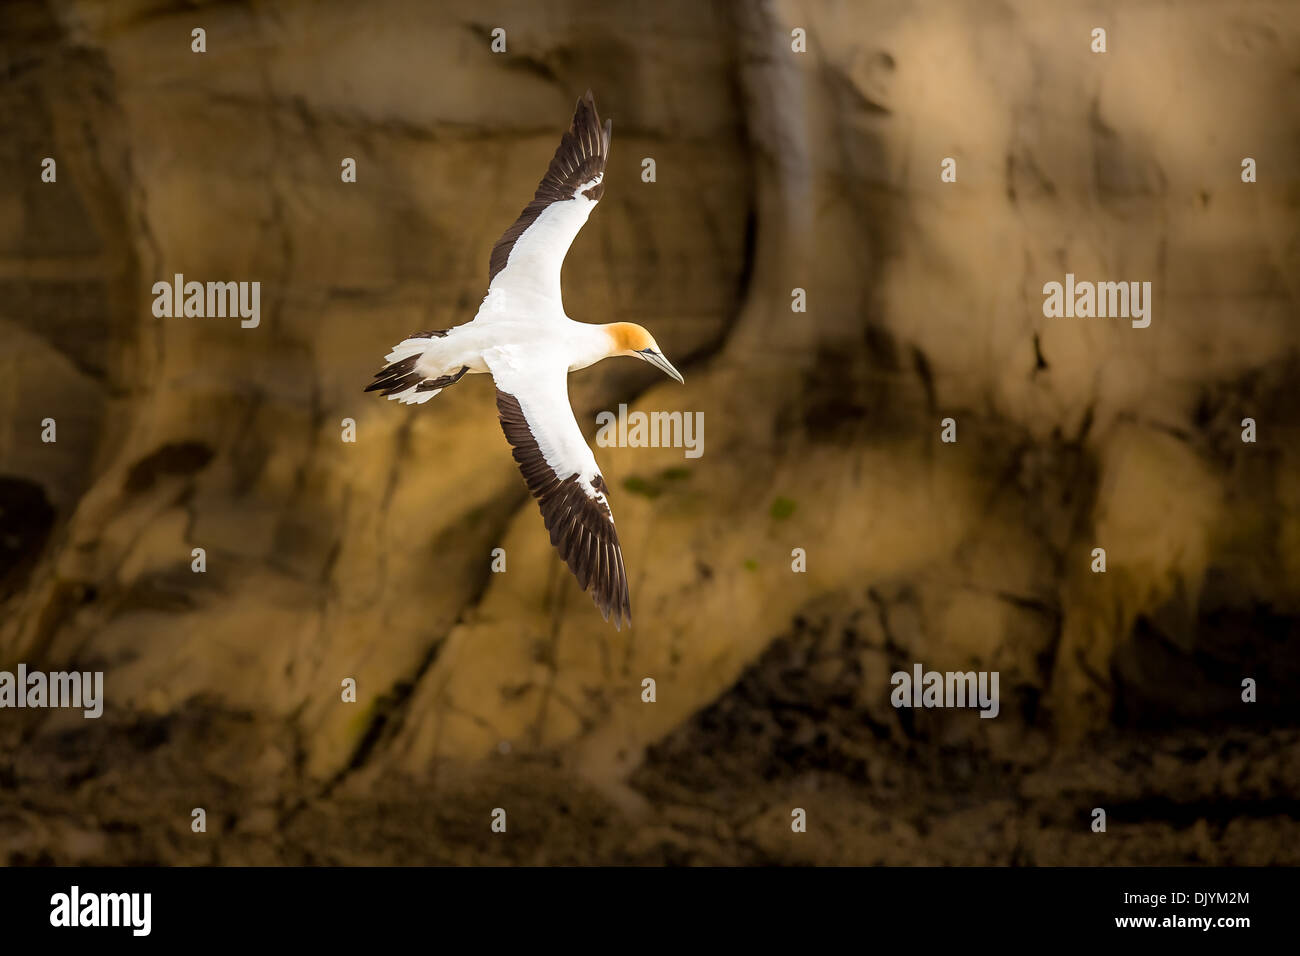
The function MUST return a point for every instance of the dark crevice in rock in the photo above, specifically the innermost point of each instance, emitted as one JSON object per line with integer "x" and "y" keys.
{"x": 174, "y": 459}
{"x": 26, "y": 521}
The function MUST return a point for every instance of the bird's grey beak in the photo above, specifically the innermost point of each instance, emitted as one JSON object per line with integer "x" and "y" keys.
{"x": 658, "y": 361}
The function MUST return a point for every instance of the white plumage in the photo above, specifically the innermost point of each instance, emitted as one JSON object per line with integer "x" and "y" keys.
{"x": 523, "y": 338}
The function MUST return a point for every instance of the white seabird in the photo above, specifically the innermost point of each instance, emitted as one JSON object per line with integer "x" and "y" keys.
{"x": 522, "y": 337}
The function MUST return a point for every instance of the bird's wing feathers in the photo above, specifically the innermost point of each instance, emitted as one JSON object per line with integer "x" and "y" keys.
{"x": 561, "y": 473}
{"x": 530, "y": 253}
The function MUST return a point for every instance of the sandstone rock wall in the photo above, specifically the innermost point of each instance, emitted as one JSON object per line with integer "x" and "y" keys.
{"x": 775, "y": 171}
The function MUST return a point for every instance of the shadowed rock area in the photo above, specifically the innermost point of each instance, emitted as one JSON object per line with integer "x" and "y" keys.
{"x": 775, "y": 171}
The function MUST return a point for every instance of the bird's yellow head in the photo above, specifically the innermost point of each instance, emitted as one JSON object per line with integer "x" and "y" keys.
{"x": 628, "y": 338}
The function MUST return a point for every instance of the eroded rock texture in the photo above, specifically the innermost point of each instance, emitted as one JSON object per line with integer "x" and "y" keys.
{"x": 775, "y": 171}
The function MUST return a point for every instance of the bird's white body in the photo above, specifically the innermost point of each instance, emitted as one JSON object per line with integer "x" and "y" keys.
{"x": 522, "y": 312}
{"x": 523, "y": 339}
{"x": 505, "y": 322}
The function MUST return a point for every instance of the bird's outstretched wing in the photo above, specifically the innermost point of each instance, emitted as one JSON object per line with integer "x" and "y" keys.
{"x": 529, "y": 256}
{"x": 561, "y": 473}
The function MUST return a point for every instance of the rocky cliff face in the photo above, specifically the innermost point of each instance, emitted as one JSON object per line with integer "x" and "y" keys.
{"x": 775, "y": 171}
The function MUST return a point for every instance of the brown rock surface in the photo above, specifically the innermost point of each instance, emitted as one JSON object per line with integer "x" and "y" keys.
{"x": 775, "y": 171}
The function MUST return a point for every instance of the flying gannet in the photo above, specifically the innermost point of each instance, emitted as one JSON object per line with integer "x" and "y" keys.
{"x": 522, "y": 337}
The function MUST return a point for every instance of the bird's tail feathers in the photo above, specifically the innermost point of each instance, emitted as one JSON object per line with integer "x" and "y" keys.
{"x": 400, "y": 379}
